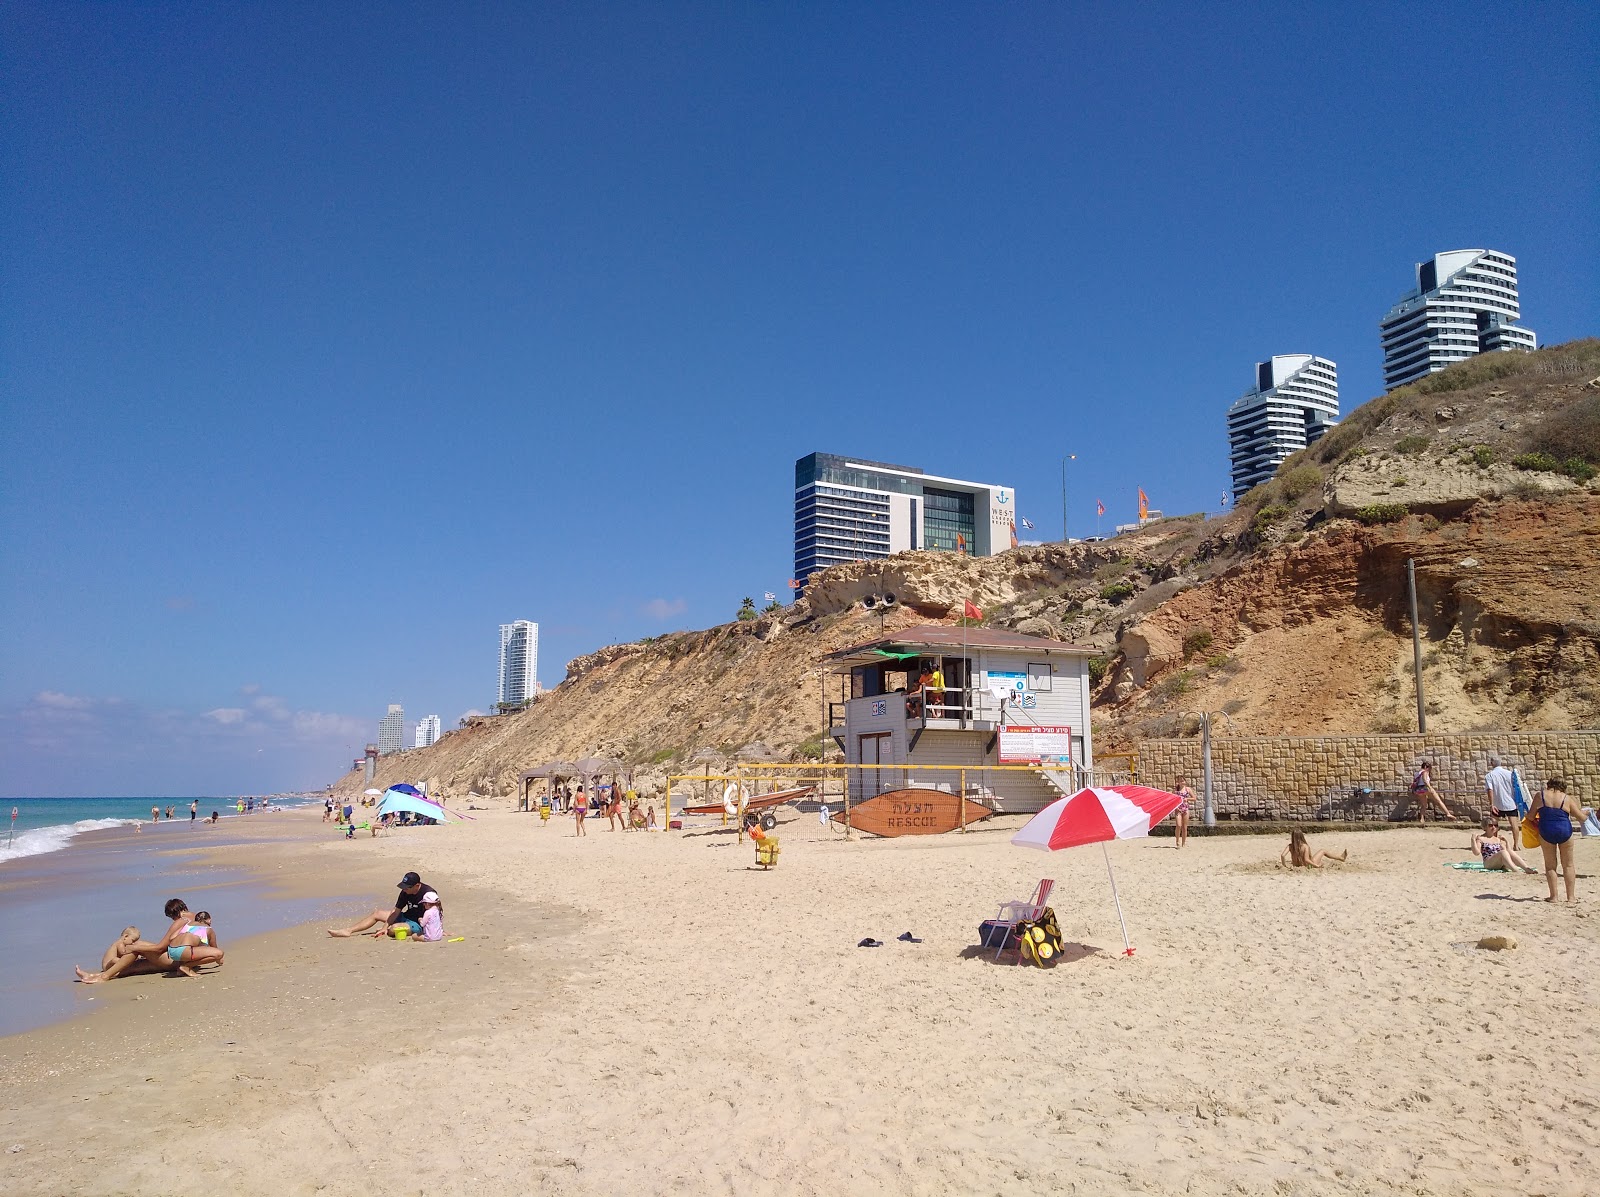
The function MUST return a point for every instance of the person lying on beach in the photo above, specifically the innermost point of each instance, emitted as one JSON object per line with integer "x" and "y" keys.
{"x": 409, "y": 908}
{"x": 1299, "y": 854}
{"x": 120, "y": 960}
{"x": 1496, "y": 852}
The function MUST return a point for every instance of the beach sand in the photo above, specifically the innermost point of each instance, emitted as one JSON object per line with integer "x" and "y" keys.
{"x": 649, "y": 1014}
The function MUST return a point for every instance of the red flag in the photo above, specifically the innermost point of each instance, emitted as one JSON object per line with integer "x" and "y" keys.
{"x": 1099, "y": 507}
{"x": 970, "y": 611}
{"x": 1013, "y": 530}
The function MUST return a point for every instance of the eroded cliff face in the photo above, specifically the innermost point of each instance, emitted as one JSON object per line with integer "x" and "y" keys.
{"x": 1314, "y": 636}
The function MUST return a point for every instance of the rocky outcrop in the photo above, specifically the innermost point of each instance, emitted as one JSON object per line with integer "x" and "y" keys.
{"x": 1437, "y": 486}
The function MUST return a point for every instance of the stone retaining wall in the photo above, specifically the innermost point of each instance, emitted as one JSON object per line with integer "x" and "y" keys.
{"x": 1314, "y": 777}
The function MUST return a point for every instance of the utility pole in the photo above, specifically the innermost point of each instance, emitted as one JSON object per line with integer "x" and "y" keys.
{"x": 1210, "y": 816}
{"x": 1064, "y": 460}
{"x": 1416, "y": 642}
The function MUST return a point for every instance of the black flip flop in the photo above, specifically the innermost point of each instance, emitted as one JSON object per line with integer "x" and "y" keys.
{"x": 908, "y": 938}
{"x": 869, "y": 943}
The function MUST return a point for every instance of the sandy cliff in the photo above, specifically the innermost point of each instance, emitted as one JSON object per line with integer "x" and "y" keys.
{"x": 1288, "y": 615}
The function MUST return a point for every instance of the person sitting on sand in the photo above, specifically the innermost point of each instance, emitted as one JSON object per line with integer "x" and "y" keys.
{"x": 187, "y": 943}
{"x": 414, "y": 901}
{"x": 120, "y": 960}
{"x": 1299, "y": 854}
{"x": 1496, "y": 852}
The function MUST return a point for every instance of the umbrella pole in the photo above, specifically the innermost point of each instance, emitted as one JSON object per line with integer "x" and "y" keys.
{"x": 1127, "y": 949}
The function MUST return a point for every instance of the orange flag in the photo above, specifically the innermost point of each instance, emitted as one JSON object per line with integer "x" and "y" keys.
{"x": 969, "y": 610}
{"x": 1144, "y": 504}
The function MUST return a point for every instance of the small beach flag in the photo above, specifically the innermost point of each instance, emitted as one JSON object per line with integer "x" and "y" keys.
{"x": 1144, "y": 504}
{"x": 1012, "y": 528}
{"x": 770, "y": 597}
{"x": 1028, "y": 524}
{"x": 1099, "y": 507}
{"x": 970, "y": 610}
{"x": 961, "y": 542}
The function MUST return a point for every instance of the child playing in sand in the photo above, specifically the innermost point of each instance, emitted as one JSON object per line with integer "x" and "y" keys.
{"x": 1496, "y": 852}
{"x": 118, "y": 959}
{"x": 1299, "y": 854}
{"x": 650, "y": 817}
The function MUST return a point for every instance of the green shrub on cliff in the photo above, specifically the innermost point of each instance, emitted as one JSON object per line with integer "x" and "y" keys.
{"x": 1382, "y": 513}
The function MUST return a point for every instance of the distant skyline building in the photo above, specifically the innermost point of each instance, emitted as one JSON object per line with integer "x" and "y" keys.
{"x": 519, "y": 662}
{"x": 1295, "y": 400}
{"x": 856, "y": 510}
{"x": 391, "y": 728}
{"x": 427, "y": 731}
{"x": 1465, "y": 303}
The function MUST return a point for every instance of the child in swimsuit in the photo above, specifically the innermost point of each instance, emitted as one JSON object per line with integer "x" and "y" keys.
{"x": 1299, "y": 854}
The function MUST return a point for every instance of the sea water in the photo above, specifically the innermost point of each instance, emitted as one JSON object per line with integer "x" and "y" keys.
{"x": 62, "y": 905}
{"x": 51, "y": 824}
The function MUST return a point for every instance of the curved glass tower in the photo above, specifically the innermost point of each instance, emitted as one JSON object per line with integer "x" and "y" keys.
{"x": 1295, "y": 400}
{"x": 1464, "y": 303}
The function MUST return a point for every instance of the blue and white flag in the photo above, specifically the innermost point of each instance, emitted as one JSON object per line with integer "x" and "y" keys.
{"x": 1028, "y": 524}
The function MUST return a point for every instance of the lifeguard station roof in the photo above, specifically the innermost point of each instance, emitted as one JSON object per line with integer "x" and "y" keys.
{"x": 942, "y": 638}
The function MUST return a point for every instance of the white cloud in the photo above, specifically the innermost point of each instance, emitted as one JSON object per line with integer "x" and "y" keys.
{"x": 226, "y": 715}
{"x": 660, "y": 608}
{"x": 57, "y": 701}
{"x": 271, "y": 707}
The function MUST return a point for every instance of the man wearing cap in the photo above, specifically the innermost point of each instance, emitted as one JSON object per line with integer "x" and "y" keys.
{"x": 416, "y": 897}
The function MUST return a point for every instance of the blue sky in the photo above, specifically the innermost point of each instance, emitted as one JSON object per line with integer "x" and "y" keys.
{"x": 335, "y": 336}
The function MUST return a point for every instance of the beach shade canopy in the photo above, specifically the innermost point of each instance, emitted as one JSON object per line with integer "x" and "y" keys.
{"x": 553, "y": 769}
{"x": 594, "y": 766}
{"x": 407, "y": 788}
{"x": 396, "y": 800}
{"x": 1097, "y": 815}
{"x": 371, "y": 793}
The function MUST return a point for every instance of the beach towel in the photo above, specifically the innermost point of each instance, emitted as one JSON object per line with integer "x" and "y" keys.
{"x": 1475, "y": 866}
{"x": 1519, "y": 794}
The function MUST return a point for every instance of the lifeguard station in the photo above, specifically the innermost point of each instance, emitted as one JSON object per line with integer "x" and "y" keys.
{"x": 1008, "y": 699}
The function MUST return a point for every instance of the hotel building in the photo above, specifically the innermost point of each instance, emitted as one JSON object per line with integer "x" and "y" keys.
{"x": 519, "y": 662}
{"x": 850, "y": 510}
{"x": 391, "y": 728}
{"x": 427, "y": 731}
{"x": 1464, "y": 303}
{"x": 1295, "y": 400}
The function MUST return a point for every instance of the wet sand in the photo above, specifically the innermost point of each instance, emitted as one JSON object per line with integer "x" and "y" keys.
{"x": 634, "y": 1013}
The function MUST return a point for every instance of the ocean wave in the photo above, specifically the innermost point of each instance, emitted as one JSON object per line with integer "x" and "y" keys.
{"x": 38, "y": 840}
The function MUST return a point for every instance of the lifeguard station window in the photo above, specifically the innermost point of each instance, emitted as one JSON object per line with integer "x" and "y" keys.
{"x": 868, "y": 681}
{"x": 1039, "y": 676}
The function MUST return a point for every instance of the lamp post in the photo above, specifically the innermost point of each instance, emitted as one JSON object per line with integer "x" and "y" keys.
{"x": 1064, "y": 460}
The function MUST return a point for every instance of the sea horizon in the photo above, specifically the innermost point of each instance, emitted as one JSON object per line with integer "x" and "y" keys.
{"x": 44, "y": 825}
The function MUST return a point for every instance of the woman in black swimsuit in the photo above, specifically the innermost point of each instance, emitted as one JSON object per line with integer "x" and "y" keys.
{"x": 1553, "y": 812}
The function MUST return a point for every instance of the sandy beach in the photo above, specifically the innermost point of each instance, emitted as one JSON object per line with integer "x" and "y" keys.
{"x": 648, "y": 1013}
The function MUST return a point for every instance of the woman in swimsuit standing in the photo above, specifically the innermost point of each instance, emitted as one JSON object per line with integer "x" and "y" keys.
{"x": 580, "y": 808}
{"x": 1553, "y": 812}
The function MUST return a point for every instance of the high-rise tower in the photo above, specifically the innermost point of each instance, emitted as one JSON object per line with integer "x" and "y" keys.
{"x": 390, "y": 728}
{"x": 1465, "y": 303}
{"x": 1295, "y": 400}
{"x": 519, "y": 662}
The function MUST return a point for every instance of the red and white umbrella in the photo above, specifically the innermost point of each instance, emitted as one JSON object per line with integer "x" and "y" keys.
{"x": 1095, "y": 815}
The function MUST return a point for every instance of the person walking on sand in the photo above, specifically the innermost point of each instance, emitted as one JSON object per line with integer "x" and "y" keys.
{"x": 1422, "y": 792}
{"x": 580, "y": 808}
{"x": 1500, "y": 784}
{"x": 1496, "y": 852}
{"x": 194, "y": 811}
{"x": 155, "y": 814}
{"x": 1553, "y": 811}
{"x": 1180, "y": 829}
{"x": 1300, "y": 856}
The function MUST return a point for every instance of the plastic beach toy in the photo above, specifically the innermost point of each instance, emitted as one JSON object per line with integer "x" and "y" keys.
{"x": 402, "y": 932}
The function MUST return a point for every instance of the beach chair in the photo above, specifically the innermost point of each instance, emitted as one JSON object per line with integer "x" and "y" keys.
{"x": 1003, "y": 926}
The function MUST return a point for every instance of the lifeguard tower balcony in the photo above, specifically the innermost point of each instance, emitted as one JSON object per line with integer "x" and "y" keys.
{"x": 1008, "y": 699}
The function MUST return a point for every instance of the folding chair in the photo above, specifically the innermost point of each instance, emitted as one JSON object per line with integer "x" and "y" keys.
{"x": 1004, "y": 923}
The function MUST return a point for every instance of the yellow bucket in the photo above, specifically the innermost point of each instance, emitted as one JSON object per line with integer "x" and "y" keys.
{"x": 402, "y": 932}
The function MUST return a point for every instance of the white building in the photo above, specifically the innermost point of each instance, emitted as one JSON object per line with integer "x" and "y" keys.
{"x": 519, "y": 662}
{"x": 427, "y": 731}
{"x": 1464, "y": 303}
{"x": 1008, "y": 700}
{"x": 1295, "y": 400}
{"x": 849, "y": 510}
{"x": 391, "y": 728}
